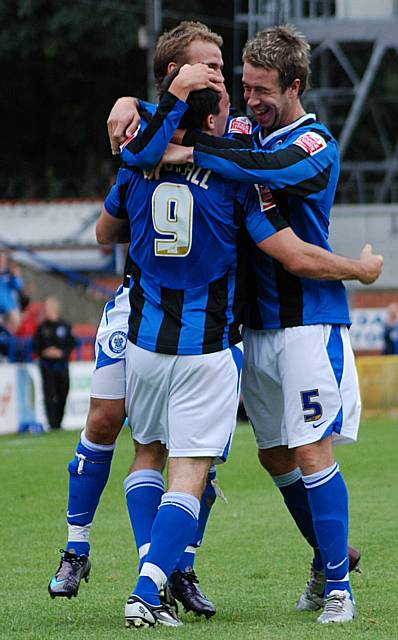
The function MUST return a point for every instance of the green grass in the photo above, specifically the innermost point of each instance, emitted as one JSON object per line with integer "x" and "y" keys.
{"x": 253, "y": 563}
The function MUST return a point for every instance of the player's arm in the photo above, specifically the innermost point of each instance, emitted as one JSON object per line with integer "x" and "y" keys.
{"x": 310, "y": 261}
{"x": 192, "y": 138}
{"x": 112, "y": 230}
{"x": 271, "y": 233}
{"x": 301, "y": 167}
{"x": 146, "y": 146}
{"x": 113, "y": 225}
{"x": 123, "y": 120}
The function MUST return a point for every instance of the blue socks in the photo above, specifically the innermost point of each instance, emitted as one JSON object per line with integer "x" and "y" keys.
{"x": 328, "y": 499}
{"x": 175, "y": 525}
{"x": 88, "y": 475}
{"x": 295, "y": 496}
{"x": 144, "y": 490}
{"x": 187, "y": 559}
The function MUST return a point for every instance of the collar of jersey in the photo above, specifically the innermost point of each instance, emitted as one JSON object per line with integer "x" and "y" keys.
{"x": 286, "y": 129}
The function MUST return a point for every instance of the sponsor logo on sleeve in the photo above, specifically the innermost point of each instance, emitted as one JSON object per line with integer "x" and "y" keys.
{"x": 241, "y": 124}
{"x": 311, "y": 142}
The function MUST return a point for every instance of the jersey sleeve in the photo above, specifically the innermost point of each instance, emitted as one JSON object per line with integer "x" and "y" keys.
{"x": 114, "y": 202}
{"x": 148, "y": 107}
{"x": 237, "y": 141}
{"x": 301, "y": 166}
{"x": 145, "y": 148}
{"x": 238, "y": 135}
{"x": 261, "y": 215}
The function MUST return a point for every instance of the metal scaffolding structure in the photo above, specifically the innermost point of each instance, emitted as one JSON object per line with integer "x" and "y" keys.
{"x": 354, "y": 81}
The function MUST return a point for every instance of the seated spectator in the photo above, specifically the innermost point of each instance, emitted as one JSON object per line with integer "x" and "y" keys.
{"x": 391, "y": 331}
{"x": 53, "y": 343}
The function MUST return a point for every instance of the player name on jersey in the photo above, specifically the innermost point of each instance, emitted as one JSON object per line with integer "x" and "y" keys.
{"x": 191, "y": 172}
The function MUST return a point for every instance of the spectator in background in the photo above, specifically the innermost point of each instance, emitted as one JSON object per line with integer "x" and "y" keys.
{"x": 391, "y": 331}
{"x": 11, "y": 293}
{"x": 54, "y": 343}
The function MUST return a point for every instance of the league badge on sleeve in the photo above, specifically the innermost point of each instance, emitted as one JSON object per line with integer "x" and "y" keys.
{"x": 133, "y": 135}
{"x": 266, "y": 199}
{"x": 311, "y": 142}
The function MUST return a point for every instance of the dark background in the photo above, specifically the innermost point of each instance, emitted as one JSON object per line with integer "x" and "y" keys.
{"x": 63, "y": 64}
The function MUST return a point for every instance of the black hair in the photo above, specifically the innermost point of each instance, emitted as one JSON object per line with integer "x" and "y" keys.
{"x": 201, "y": 103}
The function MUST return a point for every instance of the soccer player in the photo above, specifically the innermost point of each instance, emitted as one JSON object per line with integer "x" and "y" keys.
{"x": 89, "y": 470}
{"x": 300, "y": 383}
{"x": 179, "y": 322}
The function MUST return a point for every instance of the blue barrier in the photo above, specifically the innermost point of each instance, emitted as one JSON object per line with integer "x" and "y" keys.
{"x": 16, "y": 349}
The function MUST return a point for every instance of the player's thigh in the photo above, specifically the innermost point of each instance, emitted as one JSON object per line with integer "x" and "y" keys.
{"x": 314, "y": 370}
{"x": 261, "y": 387}
{"x": 203, "y": 402}
{"x": 110, "y": 349}
{"x": 147, "y": 390}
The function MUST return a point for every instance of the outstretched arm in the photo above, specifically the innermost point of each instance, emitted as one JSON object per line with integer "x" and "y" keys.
{"x": 310, "y": 261}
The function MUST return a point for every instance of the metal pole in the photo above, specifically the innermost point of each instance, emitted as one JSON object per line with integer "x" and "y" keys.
{"x": 153, "y": 11}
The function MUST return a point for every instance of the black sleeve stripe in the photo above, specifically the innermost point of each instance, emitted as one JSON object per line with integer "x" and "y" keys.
{"x": 142, "y": 140}
{"x": 144, "y": 113}
{"x": 307, "y": 187}
{"x": 276, "y": 219}
{"x": 193, "y": 138}
{"x": 321, "y": 133}
{"x": 121, "y": 212}
{"x": 260, "y": 160}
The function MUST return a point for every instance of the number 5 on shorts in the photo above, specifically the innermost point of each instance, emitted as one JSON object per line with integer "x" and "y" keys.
{"x": 312, "y": 410}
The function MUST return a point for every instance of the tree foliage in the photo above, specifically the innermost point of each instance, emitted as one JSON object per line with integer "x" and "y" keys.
{"x": 64, "y": 64}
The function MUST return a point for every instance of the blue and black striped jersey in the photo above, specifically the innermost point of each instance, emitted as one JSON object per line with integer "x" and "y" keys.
{"x": 300, "y": 164}
{"x": 185, "y": 291}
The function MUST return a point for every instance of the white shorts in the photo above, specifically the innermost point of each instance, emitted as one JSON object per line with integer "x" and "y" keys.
{"x": 109, "y": 376}
{"x": 300, "y": 385}
{"x": 188, "y": 402}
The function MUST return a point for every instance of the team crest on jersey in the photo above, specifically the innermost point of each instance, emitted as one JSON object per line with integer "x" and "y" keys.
{"x": 117, "y": 341}
{"x": 266, "y": 199}
{"x": 241, "y": 124}
{"x": 311, "y": 142}
{"x": 133, "y": 135}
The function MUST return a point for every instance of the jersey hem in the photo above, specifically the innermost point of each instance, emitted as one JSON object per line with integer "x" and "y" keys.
{"x": 168, "y": 351}
{"x": 195, "y": 453}
{"x": 339, "y": 321}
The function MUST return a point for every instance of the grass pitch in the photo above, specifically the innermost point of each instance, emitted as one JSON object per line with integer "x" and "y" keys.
{"x": 253, "y": 562}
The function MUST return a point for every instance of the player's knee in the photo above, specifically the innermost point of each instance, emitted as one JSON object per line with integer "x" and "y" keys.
{"x": 278, "y": 460}
{"x": 104, "y": 422}
{"x": 315, "y": 456}
{"x": 149, "y": 456}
